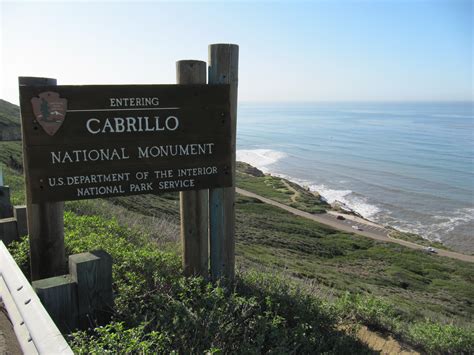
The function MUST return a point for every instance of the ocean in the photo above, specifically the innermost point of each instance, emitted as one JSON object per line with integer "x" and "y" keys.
{"x": 407, "y": 165}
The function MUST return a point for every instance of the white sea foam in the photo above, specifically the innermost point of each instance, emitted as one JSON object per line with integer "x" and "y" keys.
{"x": 449, "y": 222}
{"x": 438, "y": 228}
{"x": 331, "y": 195}
{"x": 432, "y": 231}
{"x": 358, "y": 204}
{"x": 260, "y": 158}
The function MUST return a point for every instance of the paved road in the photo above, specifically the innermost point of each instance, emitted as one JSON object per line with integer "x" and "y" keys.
{"x": 367, "y": 230}
{"x": 8, "y": 342}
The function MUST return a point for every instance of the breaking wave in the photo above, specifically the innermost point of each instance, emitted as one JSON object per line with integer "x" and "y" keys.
{"x": 260, "y": 158}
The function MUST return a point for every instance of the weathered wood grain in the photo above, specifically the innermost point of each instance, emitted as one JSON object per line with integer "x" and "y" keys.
{"x": 223, "y": 69}
{"x": 200, "y": 114}
{"x": 206, "y": 102}
{"x": 8, "y": 230}
{"x": 6, "y": 210}
{"x": 59, "y": 297}
{"x": 194, "y": 204}
{"x": 19, "y": 213}
{"x": 45, "y": 220}
{"x": 93, "y": 274}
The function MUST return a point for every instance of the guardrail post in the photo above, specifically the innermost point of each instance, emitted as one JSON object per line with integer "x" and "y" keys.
{"x": 6, "y": 210}
{"x": 19, "y": 213}
{"x": 93, "y": 274}
{"x": 8, "y": 230}
{"x": 59, "y": 296}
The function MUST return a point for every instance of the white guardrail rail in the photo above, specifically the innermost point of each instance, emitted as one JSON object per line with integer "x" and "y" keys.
{"x": 34, "y": 328}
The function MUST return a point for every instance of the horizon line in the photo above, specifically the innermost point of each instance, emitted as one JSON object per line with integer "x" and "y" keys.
{"x": 467, "y": 101}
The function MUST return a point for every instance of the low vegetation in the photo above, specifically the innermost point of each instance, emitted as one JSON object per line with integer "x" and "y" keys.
{"x": 9, "y": 121}
{"x": 279, "y": 189}
{"x": 415, "y": 238}
{"x": 159, "y": 310}
{"x": 12, "y": 166}
{"x": 420, "y": 285}
{"x": 299, "y": 283}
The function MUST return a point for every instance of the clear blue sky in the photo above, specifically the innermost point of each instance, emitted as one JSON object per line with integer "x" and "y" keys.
{"x": 289, "y": 51}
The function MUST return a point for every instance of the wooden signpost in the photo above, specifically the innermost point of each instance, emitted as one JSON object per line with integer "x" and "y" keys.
{"x": 85, "y": 142}
{"x": 194, "y": 208}
{"x": 223, "y": 70}
{"x": 94, "y": 141}
{"x": 45, "y": 220}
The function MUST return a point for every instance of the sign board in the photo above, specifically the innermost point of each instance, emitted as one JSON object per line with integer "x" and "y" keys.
{"x": 83, "y": 142}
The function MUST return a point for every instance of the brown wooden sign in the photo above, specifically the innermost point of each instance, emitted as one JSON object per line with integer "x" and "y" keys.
{"x": 84, "y": 142}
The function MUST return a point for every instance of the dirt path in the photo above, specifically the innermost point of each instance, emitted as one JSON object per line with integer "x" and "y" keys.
{"x": 367, "y": 230}
{"x": 385, "y": 344}
{"x": 295, "y": 195}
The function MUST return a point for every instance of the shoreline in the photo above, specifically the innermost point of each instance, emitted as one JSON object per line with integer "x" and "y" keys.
{"x": 346, "y": 211}
{"x": 430, "y": 204}
{"x": 381, "y": 236}
{"x": 352, "y": 215}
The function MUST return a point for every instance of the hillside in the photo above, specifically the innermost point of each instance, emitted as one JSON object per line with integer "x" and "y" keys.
{"x": 278, "y": 189}
{"x": 301, "y": 287}
{"x": 10, "y": 128}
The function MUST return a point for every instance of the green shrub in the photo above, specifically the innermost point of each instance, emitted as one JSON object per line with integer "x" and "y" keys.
{"x": 371, "y": 311}
{"x": 115, "y": 338}
{"x": 159, "y": 310}
{"x": 20, "y": 253}
{"x": 442, "y": 339}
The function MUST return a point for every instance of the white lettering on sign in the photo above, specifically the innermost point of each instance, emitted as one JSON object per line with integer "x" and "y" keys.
{"x": 163, "y": 174}
{"x": 84, "y": 155}
{"x": 132, "y": 124}
{"x": 146, "y": 152}
{"x": 148, "y": 186}
{"x": 121, "y": 182}
{"x": 134, "y": 101}
{"x": 208, "y": 170}
{"x": 88, "y": 179}
{"x": 175, "y": 150}
{"x": 98, "y": 191}
{"x": 176, "y": 184}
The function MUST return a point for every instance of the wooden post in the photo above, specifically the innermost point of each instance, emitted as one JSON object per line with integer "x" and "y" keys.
{"x": 59, "y": 297}
{"x": 19, "y": 213}
{"x": 93, "y": 274}
{"x": 223, "y": 69}
{"x": 6, "y": 210}
{"x": 8, "y": 230}
{"x": 45, "y": 220}
{"x": 194, "y": 204}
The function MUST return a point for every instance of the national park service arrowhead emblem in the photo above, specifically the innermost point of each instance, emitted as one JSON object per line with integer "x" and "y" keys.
{"x": 50, "y": 111}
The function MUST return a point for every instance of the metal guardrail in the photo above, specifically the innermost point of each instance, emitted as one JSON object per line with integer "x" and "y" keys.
{"x": 34, "y": 328}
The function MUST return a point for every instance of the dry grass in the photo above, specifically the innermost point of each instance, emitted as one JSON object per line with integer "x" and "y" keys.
{"x": 162, "y": 229}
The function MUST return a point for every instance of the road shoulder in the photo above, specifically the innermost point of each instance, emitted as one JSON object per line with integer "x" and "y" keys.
{"x": 8, "y": 342}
